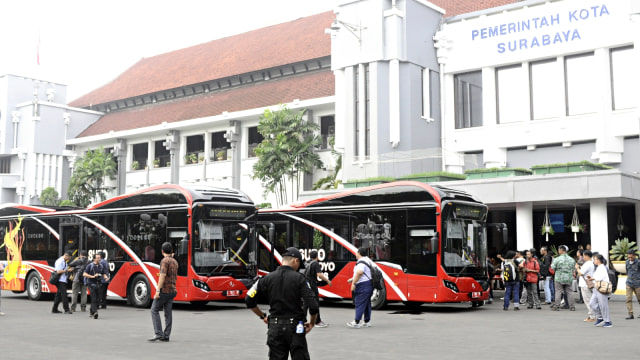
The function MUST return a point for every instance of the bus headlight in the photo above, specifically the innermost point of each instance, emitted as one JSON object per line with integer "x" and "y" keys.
{"x": 201, "y": 285}
{"x": 450, "y": 285}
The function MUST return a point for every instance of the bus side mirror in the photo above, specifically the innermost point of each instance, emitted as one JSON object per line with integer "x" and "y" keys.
{"x": 434, "y": 244}
{"x": 184, "y": 246}
{"x": 272, "y": 233}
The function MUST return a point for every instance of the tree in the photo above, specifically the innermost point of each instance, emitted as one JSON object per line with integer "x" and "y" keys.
{"x": 286, "y": 153}
{"x": 49, "y": 197}
{"x": 87, "y": 182}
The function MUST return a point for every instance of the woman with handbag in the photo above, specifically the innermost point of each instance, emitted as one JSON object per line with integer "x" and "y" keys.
{"x": 600, "y": 299}
{"x": 586, "y": 286}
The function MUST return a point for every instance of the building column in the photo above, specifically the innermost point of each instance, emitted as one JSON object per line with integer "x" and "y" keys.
{"x": 598, "y": 220}
{"x": 524, "y": 225}
{"x": 637, "y": 208}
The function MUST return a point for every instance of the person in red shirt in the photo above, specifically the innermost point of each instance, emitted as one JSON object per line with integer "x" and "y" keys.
{"x": 531, "y": 271}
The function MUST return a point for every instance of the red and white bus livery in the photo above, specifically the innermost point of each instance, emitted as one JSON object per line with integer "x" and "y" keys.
{"x": 429, "y": 241}
{"x": 212, "y": 231}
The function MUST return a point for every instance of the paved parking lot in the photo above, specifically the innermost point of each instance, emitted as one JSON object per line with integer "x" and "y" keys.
{"x": 228, "y": 330}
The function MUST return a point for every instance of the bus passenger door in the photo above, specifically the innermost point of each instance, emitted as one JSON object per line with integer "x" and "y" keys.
{"x": 71, "y": 236}
{"x": 422, "y": 263}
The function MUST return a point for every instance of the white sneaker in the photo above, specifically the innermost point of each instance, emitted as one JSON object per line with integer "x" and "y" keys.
{"x": 321, "y": 324}
{"x": 353, "y": 324}
{"x": 366, "y": 324}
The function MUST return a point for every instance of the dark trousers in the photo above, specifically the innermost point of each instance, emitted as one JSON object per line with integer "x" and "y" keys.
{"x": 103, "y": 294}
{"x": 283, "y": 340}
{"x": 362, "y": 299}
{"x": 164, "y": 302}
{"x": 61, "y": 295}
{"x": 96, "y": 295}
{"x": 305, "y": 306}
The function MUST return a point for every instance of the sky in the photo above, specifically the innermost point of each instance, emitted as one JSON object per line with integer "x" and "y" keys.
{"x": 84, "y": 44}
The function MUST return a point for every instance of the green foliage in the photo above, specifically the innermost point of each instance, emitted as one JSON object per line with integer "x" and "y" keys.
{"x": 619, "y": 250}
{"x": 554, "y": 251}
{"x": 579, "y": 163}
{"x": 67, "y": 203}
{"x": 49, "y": 197}
{"x": 135, "y": 165}
{"x": 485, "y": 170}
{"x": 264, "y": 205}
{"x": 286, "y": 153}
{"x": 543, "y": 230}
{"x": 87, "y": 182}
{"x": 437, "y": 173}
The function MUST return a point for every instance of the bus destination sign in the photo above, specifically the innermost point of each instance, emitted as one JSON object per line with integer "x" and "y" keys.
{"x": 227, "y": 213}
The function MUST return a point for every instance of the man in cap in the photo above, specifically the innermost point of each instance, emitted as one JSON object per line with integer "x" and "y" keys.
{"x": 285, "y": 289}
{"x": 313, "y": 273}
{"x": 563, "y": 265}
{"x": 633, "y": 281}
{"x": 79, "y": 286}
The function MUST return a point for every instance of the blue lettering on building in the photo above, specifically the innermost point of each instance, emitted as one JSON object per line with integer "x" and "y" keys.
{"x": 540, "y": 22}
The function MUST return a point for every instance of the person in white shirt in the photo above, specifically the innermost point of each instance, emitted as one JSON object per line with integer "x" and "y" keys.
{"x": 586, "y": 270}
{"x": 599, "y": 301}
{"x": 362, "y": 289}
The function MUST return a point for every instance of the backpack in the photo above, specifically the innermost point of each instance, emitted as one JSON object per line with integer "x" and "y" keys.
{"x": 613, "y": 279}
{"x": 377, "y": 279}
{"x": 508, "y": 271}
{"x": 307, "y": 270}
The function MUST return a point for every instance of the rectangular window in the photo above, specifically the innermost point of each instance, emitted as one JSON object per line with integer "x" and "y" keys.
{"x": 510, "y": 100}
{"x": 356, "y": 105}
{"x": 140, "y": 154}
{"x": 255, "y": 138}
{"x": 623, "y": 88}
{"x": 219, "y": 146}
{"x": 327, "y": 130}
{"x": 5, "y": 165}
{"x": 367, "y": 123}
{"x": 580, "y": 85}
{"x": 546, "y": 89}
{"x": 468, "y": 99}
{"x": 195, "y": 144}
{"x": 163, "y": 156}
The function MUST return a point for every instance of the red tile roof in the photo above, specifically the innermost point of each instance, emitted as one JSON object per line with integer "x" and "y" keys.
{"x": 273, "y": 46}
{"x": 256, "y": 95}
{"x": 457, "y": 7}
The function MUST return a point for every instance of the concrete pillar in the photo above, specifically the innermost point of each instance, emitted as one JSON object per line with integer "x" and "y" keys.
{"x": 524, "y": 225}
{"x": 637, "y": 208}
{"x": 599, "y": 233}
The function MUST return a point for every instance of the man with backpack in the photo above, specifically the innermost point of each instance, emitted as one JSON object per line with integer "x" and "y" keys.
{"x": 510, "y": 279}
{"x": 312, "y": 272}
{"x": 362, "y": 289}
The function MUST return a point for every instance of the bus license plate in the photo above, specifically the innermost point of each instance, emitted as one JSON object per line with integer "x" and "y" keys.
{"x": 476, "y": 294}
{"x": 233, "y": 293}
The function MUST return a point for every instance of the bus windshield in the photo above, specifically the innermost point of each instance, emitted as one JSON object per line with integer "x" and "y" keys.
{"x": 222, "y": 248}
{"x": 464, "y": 246}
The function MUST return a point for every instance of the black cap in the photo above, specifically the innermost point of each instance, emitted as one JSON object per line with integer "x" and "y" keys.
{"x": 631, "y": 251}
{"x": 70, "y": 253}
{"x": 83, "y": 252}
{"x": 295, "y": 253}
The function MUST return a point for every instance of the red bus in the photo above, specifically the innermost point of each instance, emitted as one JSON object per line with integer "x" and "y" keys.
{"x": 212, "y": 231}
{"x": 428, "y": 240}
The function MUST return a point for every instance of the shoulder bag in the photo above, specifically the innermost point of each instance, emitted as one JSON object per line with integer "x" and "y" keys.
{"x": 55, "y": 278}
{"x": 603, "y": 287}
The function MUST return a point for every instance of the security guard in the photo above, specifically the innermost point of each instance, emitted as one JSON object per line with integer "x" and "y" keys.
{"x": 285, "y": 289}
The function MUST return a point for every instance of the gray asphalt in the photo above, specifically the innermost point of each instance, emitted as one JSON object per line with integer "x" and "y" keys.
{"x": 229, "y": 331}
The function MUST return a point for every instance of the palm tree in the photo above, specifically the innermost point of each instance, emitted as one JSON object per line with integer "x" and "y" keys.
{"x": 286, "y": 153}
{"x": 87, "y": 182}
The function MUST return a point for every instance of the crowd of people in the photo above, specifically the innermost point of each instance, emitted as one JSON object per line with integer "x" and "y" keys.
{"x": 587, "y": 273}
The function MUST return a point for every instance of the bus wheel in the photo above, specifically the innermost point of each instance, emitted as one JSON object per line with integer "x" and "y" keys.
{"x": 139, "y": 292}
{"x": 34, "y": 286}
{"x": 379, "y": 298}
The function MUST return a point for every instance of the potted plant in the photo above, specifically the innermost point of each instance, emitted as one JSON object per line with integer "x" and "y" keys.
{"x": 618, "y": 253}
{"x": 135, "y": 165}
{"x": 156, "y": 163}
{"x": 168, "y": 164}
{"x": 201, "y": 159}
{"x": 220, "y": 155}
{"x": 191, "y": 158}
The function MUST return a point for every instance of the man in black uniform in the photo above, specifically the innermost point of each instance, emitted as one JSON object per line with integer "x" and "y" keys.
{"x": 285, "y": 289}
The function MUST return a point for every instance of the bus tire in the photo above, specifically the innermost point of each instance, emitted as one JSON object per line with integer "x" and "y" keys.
{"x": 34, "y": 286}
{"x": 379, "y": 298}
{"x": 139, "y": 292}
